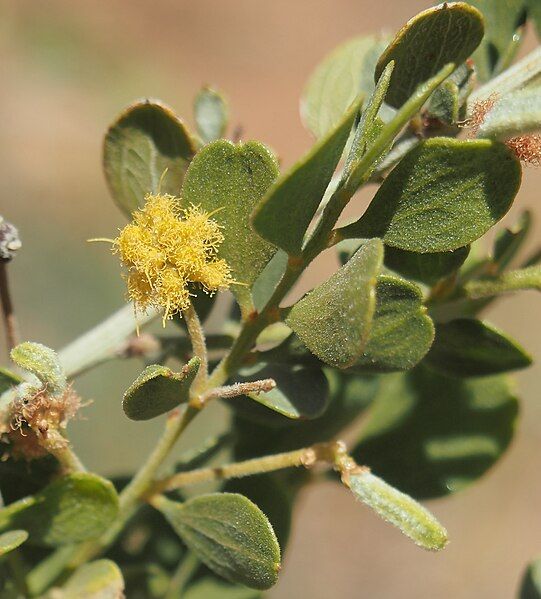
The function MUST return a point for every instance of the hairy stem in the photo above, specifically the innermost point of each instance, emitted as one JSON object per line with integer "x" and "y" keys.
{"x": 323, "y": 452}
{"x": 8, "y": 312}
{"x": 199, "y": 345}
{"x": 104, "y": 342}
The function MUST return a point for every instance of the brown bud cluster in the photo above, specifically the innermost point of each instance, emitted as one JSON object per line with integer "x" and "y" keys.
{"x": 36, "y": 423}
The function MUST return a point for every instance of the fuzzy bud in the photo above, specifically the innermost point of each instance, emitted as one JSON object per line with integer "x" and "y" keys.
{"x": 9, "y": 240}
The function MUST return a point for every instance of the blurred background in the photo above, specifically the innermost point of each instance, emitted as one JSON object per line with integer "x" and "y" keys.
{"x": 67, "y": 68}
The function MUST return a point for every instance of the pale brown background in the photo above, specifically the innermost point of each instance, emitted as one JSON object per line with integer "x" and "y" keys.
{"x": 67, "y": 67}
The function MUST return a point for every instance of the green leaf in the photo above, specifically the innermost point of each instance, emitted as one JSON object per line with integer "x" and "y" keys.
{"x": 510, "y": 241}
{"x": 72, "y": 509}
{"x": 229, "y": 534}
{"x": 211, "y": 114}
{"x": 334, "y": 320}
{"x": 531, "y": 582}
{"x": 232, "y": 179}
{"x": 267, "y": 281}
{"x": 369, "y": 127}
{"x": 401, "y": 333}
{"x": 42, "y": 362}
{"x": 8, "y": 380}
{"x": 503, "y": 19}
{"x": 467, "y": 347}
{"x": 379, "y": 146}
{"x": 411, "y": 518}
{"x": 300, "y": 392}
{"x": 515, "y": 280}
{"x": 344, "y": 74}
{"x": 272, "y": 497}
{"x": 158, "y": 390}
{"x": 513, "y": 114}
{"x": 101, "y": 579}
{"x": 11, "y": 540}
{"x": 426, "y": 268}
{"x": 351, "y": 394}
{"x": 211, "y": 588}
{"x": 437, "y": 36}
{"x": 295, "y": 197}
{"x": 140, "y": 145}
{"x": 443, "y": 195}
{"x": 431, "y": 435}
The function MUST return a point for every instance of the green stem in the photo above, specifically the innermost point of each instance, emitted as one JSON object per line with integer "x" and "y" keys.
{"x": 199, "y": 345}
{"x": 307, "y": 456}
{"x": 182, "y": 576}
{"x": 102, "y": 343}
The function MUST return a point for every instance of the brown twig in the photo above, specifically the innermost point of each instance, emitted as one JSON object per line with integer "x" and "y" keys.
{"x": 8, "y": 313}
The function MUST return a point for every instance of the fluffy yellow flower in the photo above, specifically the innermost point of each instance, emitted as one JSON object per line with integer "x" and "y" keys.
{"x": 165, "y": 249}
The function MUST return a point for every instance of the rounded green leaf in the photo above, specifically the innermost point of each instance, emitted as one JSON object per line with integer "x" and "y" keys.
{"x": 431, "y": 435}
{"x": 211, "y": 115}
{"x": 401, "y": 332}
{"x": 410, "y": 517}
{"x": 229, "y": 534}
{"x": 158, "y": 390}
{"x": 146, "y": 140}
{"x": 467, "y": 347}
{"x": 273, "y": 498}
{"x": 334, "y": 319}
{"x": 447, "y": 33}
{"x": 295, "y": 197}
{"x": 11, "y": 540}
{"x": 343, "y": 74}
{"x": 531, "y": 582}
{"x": 101, "y": 579}
{"x": 231, "y": 180}
{"x": 70, "y": 510}
{"x": 426, "y": 268}
{"x": 300, "y": 392}
{"x": 42, "y": 362}
{"x": 444, "y": 194}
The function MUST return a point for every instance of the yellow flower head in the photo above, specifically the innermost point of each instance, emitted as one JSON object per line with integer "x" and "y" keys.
{"x": 165, "y": 249}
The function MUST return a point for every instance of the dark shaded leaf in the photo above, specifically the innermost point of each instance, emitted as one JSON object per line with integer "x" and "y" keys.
{"x": 467, "y": 347}
{"x": 431, "y": 435}
{"x": 301, "y": 392}
{"x": 426, "y": 268}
